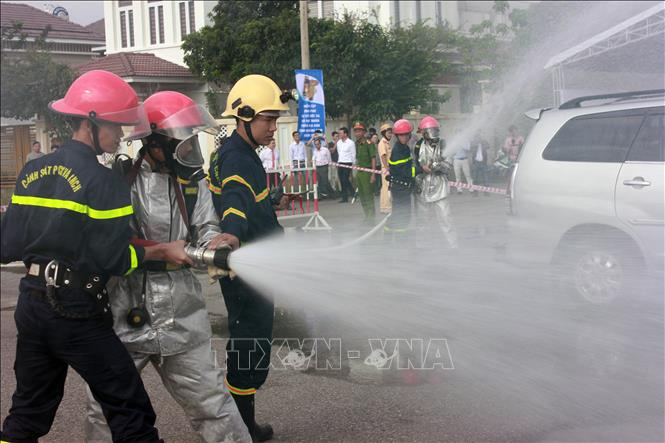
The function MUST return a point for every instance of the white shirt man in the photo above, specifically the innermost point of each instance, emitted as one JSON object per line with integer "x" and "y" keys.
{"x": 270, "y": 157}
{"x": 297, "y": 151}
{"x": 321, "y": 156}
{"x": 346, "y": 149}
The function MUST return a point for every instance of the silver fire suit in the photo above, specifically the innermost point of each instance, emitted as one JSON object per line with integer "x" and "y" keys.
{"x": 176, "y": 338}
{"x": 432, "y": 190}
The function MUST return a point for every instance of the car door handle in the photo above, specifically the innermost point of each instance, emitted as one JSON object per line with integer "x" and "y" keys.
{"x": 637, "y": 181}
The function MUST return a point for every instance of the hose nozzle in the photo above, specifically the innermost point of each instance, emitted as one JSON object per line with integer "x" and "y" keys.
{"x": 210, "y": 257}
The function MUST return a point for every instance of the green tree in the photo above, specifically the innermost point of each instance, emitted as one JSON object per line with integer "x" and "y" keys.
{"x": 31, "y": 80}
{"x": 370, "y": 73}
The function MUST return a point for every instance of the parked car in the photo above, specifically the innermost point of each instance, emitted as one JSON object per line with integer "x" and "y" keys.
{"x": 587, "y": 194}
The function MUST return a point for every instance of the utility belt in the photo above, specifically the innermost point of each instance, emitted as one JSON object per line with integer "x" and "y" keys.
{"x": 55, "y": 276}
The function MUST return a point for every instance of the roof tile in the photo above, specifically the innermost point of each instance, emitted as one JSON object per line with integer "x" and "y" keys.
{"x": 35, "y": 21}
{"x": 134, "y": 64}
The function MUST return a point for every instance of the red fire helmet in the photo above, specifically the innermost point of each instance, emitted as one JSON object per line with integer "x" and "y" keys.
{"x": 101, "y": 96}
{"x": 402, "y": 126}
{"x": 428, "y": 122}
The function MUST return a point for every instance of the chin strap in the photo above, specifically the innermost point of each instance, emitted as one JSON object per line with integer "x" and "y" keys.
{"x": 95, "y": 137}
{"x": 248, "y": 131}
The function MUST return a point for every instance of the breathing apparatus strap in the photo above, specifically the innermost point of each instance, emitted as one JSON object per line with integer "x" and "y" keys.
{"x": 181, "y": 205}
{"x": 136, "y": 167}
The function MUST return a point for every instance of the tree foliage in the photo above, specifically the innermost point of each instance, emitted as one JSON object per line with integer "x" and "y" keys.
{"x": 31, "y": 80}
{"x": 370, "y": 73}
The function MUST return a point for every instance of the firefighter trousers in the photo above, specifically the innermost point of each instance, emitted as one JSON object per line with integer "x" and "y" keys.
{"x": 196, "y": 383}
{"x": 47, "y": 344}
{"x": 250, "y": 326}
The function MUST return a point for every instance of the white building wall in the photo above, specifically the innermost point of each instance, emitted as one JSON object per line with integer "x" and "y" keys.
{"x": 170, "y": 49}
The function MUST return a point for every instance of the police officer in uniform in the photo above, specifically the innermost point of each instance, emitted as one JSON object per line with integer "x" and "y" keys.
{"x": 247, "y": 214}
{"x": 365, "y": 158}
{"x": 68, "y": 221}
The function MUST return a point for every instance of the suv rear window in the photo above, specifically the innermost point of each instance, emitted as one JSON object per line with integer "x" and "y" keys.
{"x": 595, "y": 138}
{"x": 649, "y": 146}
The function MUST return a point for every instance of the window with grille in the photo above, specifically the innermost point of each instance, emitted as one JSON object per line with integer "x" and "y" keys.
{"x": 7, "y": 156}
{"x": 156, "y": 17}
{"x": 187, "y": 18}
{"x": 126, "y": 25}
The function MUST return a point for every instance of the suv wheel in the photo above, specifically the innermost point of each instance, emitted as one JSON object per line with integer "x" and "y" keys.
{"x": 598, "y": 270}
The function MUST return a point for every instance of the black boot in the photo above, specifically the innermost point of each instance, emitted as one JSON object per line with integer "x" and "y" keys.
{"x": 245, "y": 405}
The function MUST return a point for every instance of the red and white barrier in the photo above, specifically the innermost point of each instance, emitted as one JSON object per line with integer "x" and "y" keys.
{"x": 458, "y": 185}
{"x": 301, "y": 182}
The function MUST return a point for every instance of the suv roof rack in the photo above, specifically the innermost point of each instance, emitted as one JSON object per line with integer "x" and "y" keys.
{"x": 577, "y": 102}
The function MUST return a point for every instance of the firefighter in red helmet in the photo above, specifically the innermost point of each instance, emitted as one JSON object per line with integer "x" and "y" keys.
{"x": 68, "y": 221}
{"x": 432, "y": 185}
{"x": 403, "y": 171}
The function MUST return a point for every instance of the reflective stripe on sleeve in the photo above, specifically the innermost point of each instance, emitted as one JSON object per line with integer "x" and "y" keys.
{"x": 236, "y": 178}
{"x": 215, "y": 189}
{"x": 54, "y": 203}
{"x": 235, "y": 211}
{"x": 399, "y": 162}
{"x": 134, "y": 261}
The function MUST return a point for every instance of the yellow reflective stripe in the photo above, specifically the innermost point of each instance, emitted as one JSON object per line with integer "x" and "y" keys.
{"x": 239, "y": 179}
{"x": 413, "y": 171}
{"x": 110, "y": 213}
{"x": 399, "y": 162}
{"x": 134, "y": 261}
{"x": 262, "y": 195}
{"x": 72, "y": 206}
{"x": 182, "y": 181}
{"x": 238, "y": 391}
{"x": 235, "y": 211}
{"x": 191, "y": 190}
{"x": 216, "y": 189}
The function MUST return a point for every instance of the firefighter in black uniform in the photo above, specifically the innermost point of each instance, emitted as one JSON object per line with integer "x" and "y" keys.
{"x": 403, "y": 171}
{"x": 247, "y": 213}
{"x": 68, "y": 221}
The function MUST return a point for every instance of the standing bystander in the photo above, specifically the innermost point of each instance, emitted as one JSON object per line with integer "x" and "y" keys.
{"x": 366, "y": 158}
{"x": 321, "y": 158}
{"x": 384, "y": 149}
{"x": 479, "y": 153}
{"x": 513, "y": 143}
{"x": 461, "y": 162}
{"x": 35, "y": 152}
{"x": 346, "y": 149}
{"x": 270, "y": 160}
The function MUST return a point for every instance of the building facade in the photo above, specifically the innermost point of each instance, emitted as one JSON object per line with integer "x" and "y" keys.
{"x": 157, "y": 27}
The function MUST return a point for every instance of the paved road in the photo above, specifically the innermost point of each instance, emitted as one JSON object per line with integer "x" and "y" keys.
{"x": 604, "y": 385}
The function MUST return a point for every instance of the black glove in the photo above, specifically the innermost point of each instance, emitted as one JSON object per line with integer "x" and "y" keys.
{"x": 276, "y": 194}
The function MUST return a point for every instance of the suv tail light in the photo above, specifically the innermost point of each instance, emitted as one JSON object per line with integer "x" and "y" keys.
{"x": 510, "y": 191}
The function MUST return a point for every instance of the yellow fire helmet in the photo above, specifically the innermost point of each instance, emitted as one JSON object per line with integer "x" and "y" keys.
{"x": 254, "y": 94}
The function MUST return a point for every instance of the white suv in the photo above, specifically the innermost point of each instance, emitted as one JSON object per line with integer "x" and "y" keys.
{"x": 587, "y": 193}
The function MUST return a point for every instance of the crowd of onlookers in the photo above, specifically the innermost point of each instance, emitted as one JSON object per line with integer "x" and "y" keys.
{"x": 474, "y": 162}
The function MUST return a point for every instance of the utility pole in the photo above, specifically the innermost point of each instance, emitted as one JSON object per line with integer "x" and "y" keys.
{"x": 304, "y": 35}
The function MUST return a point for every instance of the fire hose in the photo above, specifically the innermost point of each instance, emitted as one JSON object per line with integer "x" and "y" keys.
{"x": 217, "y": 260}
